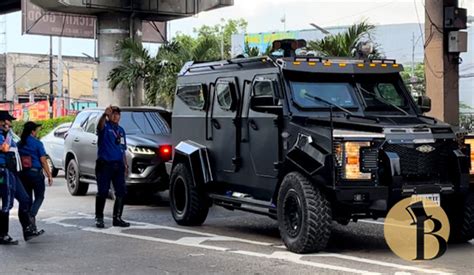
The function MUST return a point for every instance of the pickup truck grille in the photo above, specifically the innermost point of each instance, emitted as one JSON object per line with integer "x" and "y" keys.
{"x": 427, "y": 161}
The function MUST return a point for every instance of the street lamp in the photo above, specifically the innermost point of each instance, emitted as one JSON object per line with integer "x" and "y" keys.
{"x": 324, "y": 31}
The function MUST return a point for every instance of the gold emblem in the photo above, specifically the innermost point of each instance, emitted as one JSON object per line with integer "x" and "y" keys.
{"x": 417, "y": 229}
{"x": 425, "y": 149}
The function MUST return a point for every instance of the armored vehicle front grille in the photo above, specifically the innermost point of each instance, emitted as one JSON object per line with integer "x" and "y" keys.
{"x": 418, "y": 161}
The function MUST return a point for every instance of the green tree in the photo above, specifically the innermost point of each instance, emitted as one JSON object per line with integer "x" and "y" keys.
{"x": 416, "y": 83}
{"x": 342, "y": 44}
{"x": 159, "y": 73}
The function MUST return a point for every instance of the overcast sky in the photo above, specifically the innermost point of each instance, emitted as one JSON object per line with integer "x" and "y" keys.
{"x": 262, "y": 16}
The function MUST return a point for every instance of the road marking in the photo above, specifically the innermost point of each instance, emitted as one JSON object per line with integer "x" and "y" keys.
{"x": 204, "y": 237}
{"x": 376, "y": 262}
{"x": 371, "y": 222}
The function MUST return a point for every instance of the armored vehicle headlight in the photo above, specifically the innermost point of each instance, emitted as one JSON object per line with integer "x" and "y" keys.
{"x": 141, "y": 150}
{"x": 470, "y": 141}
{"x": 348, "y": 157}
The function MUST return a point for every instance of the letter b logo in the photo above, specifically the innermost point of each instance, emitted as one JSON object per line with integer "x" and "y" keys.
{"x": 417, "y": 230}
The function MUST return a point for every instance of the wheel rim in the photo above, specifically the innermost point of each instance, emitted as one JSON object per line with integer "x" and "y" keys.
{"x": 293, "y": 214}
{"x": 71, "y": 176}
{"x": 179, "y": 195}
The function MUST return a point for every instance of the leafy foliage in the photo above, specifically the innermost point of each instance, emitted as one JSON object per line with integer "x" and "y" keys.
{"x": 342, "y": 44}
{"x": 159, "y": 72}
{"x": 46, "y": 125}
{"x": 417, "y": 83}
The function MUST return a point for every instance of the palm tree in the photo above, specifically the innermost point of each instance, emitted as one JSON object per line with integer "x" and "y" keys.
{"x": 135, "y": 63}
{"x": 342, "y": 44}
{"x": 158, "y": 73}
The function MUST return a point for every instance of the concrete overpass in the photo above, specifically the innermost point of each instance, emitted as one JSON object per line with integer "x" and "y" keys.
{"x": 117, "y": 20}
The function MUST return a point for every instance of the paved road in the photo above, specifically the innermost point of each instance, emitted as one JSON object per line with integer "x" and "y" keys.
{"x": 229, "y": 242}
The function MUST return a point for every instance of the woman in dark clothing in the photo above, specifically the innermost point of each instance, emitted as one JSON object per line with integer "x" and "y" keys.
{"x": 33, "y": 160}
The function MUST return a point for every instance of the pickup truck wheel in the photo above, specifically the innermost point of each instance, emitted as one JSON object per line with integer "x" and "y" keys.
{"x": 189, "y": 204}
{"x": 462, "y": 222}
{"x": 74, "y": 185}
{"x": 304, "y": 215}
{"x": 53, "y": 170}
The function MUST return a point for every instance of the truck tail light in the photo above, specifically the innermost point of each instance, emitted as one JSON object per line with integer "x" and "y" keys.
{"x": 165, "y": 152}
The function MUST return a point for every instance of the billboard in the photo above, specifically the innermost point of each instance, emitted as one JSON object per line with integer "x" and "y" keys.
{"x": 37, "y": 21}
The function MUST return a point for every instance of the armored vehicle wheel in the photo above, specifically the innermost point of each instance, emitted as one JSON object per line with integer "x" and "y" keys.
{"x": 74, "y": 185}
{"x": 462, "y": 222}
{"x": 304, "y": 215}
{"x": 189, "y": 204}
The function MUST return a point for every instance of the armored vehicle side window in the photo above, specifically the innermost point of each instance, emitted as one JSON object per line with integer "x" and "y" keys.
{"x": 225, "y": 98}
{"x": 193, "y": 96}
{"x": 263, "y": 88}
{"x": 341, "y": 94}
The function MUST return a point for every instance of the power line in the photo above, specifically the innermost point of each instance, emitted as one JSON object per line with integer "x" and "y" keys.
{"x": 362, "y": 12}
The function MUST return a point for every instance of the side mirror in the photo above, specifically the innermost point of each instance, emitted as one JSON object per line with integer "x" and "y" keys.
{"x": 60, "y": 132}
{"x": 424, "y": 103}
{"x": 265, "y": 104}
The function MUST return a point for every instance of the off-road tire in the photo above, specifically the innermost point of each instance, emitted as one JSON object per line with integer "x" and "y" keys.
{"x": 462, "y": 222}
{"x": 189, "y": 204}
{"x": 299, "y": 199}
{"x": 74, "y": 185}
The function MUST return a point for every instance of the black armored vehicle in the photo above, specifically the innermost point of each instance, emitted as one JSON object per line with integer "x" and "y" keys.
{"x": 308, "y": 141}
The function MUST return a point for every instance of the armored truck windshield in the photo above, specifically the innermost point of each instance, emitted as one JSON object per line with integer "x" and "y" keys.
{"x": 381, "y": 94}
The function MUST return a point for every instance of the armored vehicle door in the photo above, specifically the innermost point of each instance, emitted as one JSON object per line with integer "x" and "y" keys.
{"x": 225, "y": 105}
{"x": 263, "y": 113}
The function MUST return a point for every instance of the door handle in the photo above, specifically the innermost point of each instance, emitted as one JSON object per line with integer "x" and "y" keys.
{"x": 94, "y": 142}
{"x": 76, "y": 140}
{"x": 215, "y": 123}
{"x": 253, "y": 125}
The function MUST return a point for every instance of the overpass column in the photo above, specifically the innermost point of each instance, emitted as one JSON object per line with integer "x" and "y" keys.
{"x": 112, "y": 28}
{"x": 441, "y": 68}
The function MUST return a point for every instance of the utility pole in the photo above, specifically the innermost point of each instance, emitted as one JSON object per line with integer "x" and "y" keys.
{"x": 442, "y": 63}
{"x": 59, "y": 98}
{"x": 51, "y": 95}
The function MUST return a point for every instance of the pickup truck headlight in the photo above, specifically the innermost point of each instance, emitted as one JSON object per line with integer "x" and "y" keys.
{"x": 347, "y": 156}
{"x": 140, "y": 150}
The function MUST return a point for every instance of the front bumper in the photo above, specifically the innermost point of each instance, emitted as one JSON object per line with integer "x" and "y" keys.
{"x": 391, "y": 183}
{"x": 147, "y": 172}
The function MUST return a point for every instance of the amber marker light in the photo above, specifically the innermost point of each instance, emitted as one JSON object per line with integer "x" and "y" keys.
{"x": 470, "y": 141}
{"x": 352, "y": 161}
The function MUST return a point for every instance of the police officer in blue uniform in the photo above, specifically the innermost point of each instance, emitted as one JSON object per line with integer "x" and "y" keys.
{"x": 111, "y": 166}
{"x": 34, "y": 164}
{"x": 11, "y": 186}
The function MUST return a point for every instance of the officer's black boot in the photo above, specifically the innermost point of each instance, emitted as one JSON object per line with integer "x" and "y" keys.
{"x": 29, "y": 230}
{"x": 33, "y": 222}
{"x": 118, "y": 209}
{"x": 4, "y": 226}
{"x": 99, "y": 212}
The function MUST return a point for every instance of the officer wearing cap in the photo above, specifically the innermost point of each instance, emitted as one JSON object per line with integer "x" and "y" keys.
{"x": 11, "y": 186}
{"x": 111, "y": 166}
{"x": 33, "y": 160}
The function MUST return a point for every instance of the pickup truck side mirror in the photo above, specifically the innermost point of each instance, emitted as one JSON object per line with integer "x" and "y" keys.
{"x": 424, "y": 103}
